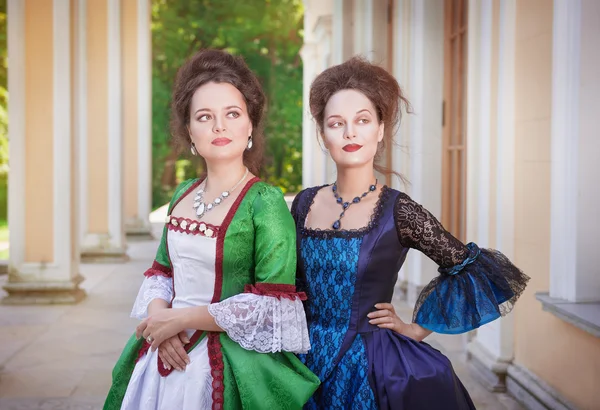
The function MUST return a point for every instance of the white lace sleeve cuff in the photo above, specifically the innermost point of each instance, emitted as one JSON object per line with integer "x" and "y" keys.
{"x": 266, "y": 324}
{"x": 153, "y": 287}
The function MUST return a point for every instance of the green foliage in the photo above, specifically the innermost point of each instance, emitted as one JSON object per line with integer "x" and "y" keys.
{"x": 267, "y": 33}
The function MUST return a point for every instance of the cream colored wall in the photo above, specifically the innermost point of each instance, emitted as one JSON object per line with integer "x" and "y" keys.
{"x": 130, "y": 105}
{"x": 39, "y": 79}
{"x": 567, "y": 358}
{"x": 97, "y": 117}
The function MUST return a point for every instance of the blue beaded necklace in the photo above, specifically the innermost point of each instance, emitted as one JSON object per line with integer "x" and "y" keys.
{"x": 345, "y": 205}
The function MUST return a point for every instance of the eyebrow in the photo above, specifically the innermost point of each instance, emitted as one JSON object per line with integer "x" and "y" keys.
{"x": 365, "y": 109}
{"x": 208, "y": 109}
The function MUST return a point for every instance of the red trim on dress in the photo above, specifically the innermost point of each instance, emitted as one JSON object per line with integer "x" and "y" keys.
{"x": 158, "y": 269}
{"x": 214, "y": 345}
{"x": 189, "y": 226}
{"x": 275, "y": 289}
{"x": 215, "y": 357}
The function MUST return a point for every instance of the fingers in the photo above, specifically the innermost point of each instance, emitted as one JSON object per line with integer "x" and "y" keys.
{"x": 379, "y": 313}
{"x": 176, "y": 361}
{"x": 139, "y": 330}
{"x": 168, "y": 363}
{"x": 387, "y": 306}
{"x": 183, "y": 337}
{"x": 157, "y": 340}
{"x": 390, "y": 326}
{"x": 382, "y": 320}
{"x": 178, "y": 354}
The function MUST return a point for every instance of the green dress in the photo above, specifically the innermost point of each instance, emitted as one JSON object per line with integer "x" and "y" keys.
{"x": 245, "y": 271}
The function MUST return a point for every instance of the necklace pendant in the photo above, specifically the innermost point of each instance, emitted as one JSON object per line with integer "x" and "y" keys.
{"x": 336, "y": 225}
{"x": 200, "y": 210}
{"x": 225, "y": 194}
{"x": 196, "y": 204}
{"x": 217, "y": 201}
{"x": 209, "y": 207}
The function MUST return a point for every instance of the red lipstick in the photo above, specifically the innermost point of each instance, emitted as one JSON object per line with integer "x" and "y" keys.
{"x": 352, "y": 147}
{"x": 221, "y": 141}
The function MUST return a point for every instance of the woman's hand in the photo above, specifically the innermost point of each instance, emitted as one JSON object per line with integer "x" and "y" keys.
{"x": 173, "y": 354}
{"x": 386, "y": 317}
{"x": 160, "y": 326}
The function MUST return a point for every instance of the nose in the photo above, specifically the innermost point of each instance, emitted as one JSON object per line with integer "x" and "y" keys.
{"x": 219, "y": 126}
{"x": 350, "y": 132}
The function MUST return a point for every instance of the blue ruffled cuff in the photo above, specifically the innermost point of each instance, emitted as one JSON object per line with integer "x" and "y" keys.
{"x": 484, "y": 287}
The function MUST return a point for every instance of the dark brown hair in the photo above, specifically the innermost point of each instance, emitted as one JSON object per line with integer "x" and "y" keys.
{"x": 220, "y": 67}
{"x": 376, "y": 84}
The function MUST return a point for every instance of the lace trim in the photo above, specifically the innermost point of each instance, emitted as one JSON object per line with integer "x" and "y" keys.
{"x": 153, "y": 287}
{"x": 191, "y": 227}
{"x": 215, "y": 358}
{"x": 275, "y": 289}
{"x": 158, "y": 269}
{"x": 265, "y": 324}
{"x": 384, "y": 194}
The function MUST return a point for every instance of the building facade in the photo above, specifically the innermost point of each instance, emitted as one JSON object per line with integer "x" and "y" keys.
{"x": 80, "y": 140}
{"x": 501, "y": 147}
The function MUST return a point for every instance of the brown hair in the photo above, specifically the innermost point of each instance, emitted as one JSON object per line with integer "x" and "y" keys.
{"x": 376, "y": 84}
{"x": 220, "y": 67}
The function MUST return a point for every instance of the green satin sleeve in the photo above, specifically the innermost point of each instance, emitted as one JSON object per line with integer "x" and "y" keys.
{"x": 275, "y": 238}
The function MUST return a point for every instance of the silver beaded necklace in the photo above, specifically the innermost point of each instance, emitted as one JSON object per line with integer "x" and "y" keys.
{"x": 202, "y": 207}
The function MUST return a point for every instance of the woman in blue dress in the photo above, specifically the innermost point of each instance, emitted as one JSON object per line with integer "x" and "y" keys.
{"x": 353, "y": 237}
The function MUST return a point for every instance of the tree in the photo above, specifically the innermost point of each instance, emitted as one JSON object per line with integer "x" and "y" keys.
{"x": 267, "y": 33}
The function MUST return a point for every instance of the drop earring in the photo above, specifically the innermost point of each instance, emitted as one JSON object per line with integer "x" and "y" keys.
{"x": 193, "y": 149}
{"x": 249, "y": 143}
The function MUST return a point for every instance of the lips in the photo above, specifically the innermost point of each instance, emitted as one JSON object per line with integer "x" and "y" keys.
{"x": 352, "y": 147}
{"x": 221, "y": 141}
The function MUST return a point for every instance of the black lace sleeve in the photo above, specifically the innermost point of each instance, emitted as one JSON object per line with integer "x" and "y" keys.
{"x": 475, "y": 286}
{"x": 419, "y": 229}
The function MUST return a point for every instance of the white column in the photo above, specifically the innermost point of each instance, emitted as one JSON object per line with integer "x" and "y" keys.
{"x": 56, "y": 281}
{"x": 401, "y": 159}
{"x": 426, "y": 92}
{"x": 115, "y": 128}
{"x": 81, "y": 109}
{"x": 575, "y": 149}
{"x": 492, "y": 350}
{"x": 16, "y": 132}
{"x": 309, "y": 133}
{"x": 144, "y": 104}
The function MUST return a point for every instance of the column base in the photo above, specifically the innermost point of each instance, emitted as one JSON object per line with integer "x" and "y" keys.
{"x": 138, "y": 230}
{"x": 491, "y": 370}
{"x": 97, "y": 248}
{"x": 44, "y": 293}
{"x": 533, "y": 392}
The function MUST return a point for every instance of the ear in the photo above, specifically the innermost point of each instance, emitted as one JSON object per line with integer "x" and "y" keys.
{"x": 381, "y": 132}
{"x": 324, "y": 140}
{"x": 250, "y": 129}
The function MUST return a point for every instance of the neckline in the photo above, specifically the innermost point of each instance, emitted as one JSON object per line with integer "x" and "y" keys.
{"x": 231, "y": 210}
{"x": 343, "y": 233}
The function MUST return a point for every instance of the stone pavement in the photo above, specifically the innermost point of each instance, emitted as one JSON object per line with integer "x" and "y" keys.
{"x": 61, "y": 357}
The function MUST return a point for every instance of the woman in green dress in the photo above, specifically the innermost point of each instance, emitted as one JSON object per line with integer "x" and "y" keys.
{"x": 221, "y": 318}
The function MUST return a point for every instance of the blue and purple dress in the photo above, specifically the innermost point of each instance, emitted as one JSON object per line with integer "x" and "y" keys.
{"x": 346, "y": 272}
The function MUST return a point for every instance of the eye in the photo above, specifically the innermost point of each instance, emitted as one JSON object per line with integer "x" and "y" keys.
{"x": 363, "y": 121}
{"x": 336, "y": 124}
{"x": 233, "y": 114}
{"x": 204, "y": 117}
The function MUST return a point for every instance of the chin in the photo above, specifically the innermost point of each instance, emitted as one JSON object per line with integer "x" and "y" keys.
{"x": 223, "y": 154}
